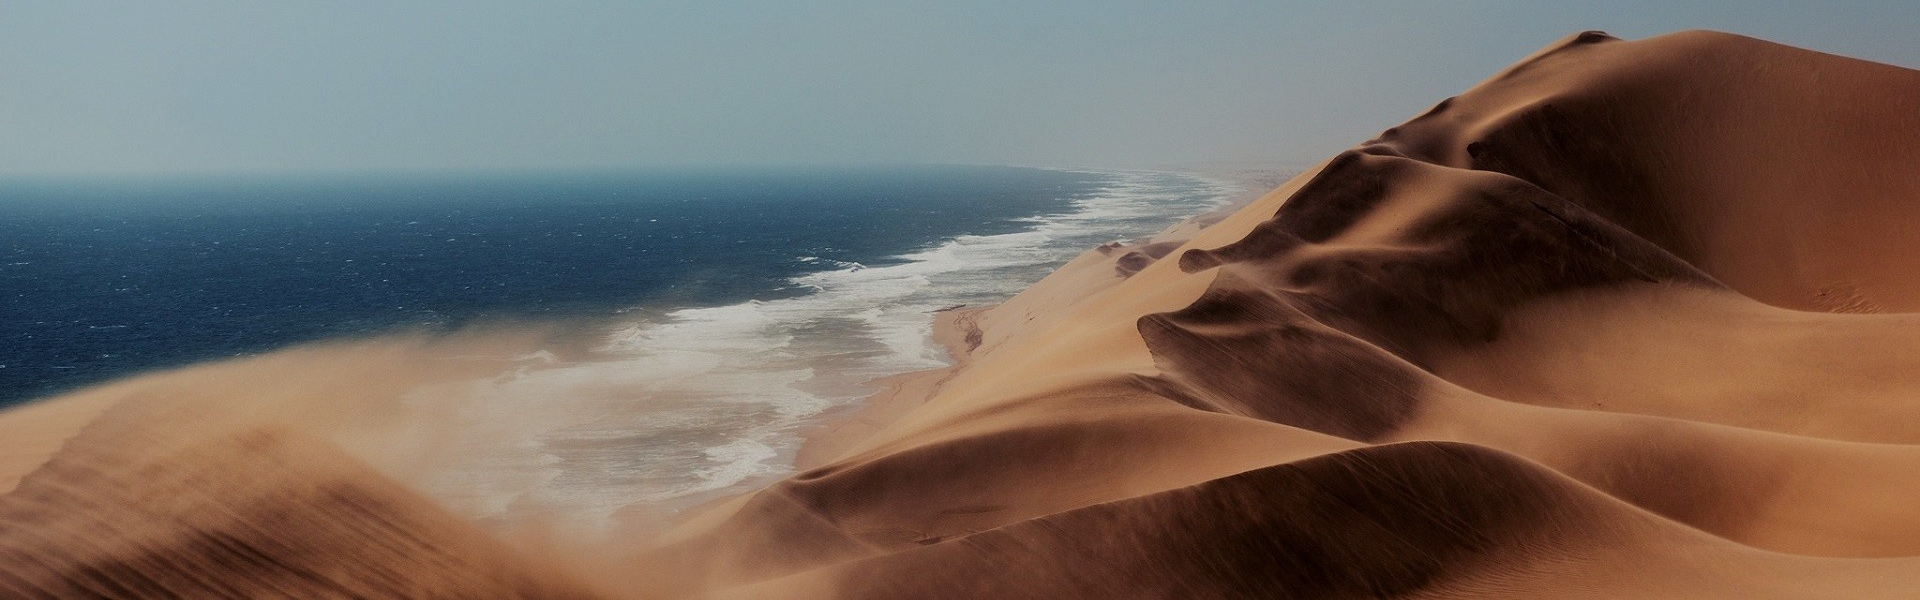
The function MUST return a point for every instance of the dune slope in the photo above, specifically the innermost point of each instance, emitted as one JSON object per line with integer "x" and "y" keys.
{"x": 1625, "y": 320}
{"x": 260, "y": 514}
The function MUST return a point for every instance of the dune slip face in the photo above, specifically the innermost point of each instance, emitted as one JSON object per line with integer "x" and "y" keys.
{"x": 1630, "y": 319}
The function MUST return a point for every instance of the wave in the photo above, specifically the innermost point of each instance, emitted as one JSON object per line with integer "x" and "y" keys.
{"x": 680, "y": 407}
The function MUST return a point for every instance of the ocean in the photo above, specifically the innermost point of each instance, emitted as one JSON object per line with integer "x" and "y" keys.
{"x": 730, "y": 305}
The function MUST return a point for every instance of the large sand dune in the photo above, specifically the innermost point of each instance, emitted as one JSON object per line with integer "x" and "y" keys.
{"x": 1627, "y": 320}
{"x": 1622, "y": 321}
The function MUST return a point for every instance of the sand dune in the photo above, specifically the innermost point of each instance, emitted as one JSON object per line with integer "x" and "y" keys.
{"x": 1630, "y": 319}
{"x": 1591, "y": 329}
{"x": 124, "y": 518}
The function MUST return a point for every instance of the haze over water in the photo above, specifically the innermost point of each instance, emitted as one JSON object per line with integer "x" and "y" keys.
{"x": 719, "y": 309}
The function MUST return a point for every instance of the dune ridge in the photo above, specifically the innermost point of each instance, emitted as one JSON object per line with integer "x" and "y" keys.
{"x": 1629, "y": 319}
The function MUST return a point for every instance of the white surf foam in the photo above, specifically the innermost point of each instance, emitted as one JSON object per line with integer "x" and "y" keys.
{"x": 701, "y": 402}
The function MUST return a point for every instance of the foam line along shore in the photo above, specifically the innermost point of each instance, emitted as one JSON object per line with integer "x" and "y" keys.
{"x": 694, "y": 404}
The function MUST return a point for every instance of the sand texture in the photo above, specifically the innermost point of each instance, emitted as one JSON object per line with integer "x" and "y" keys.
{"x": 1630, "y": 319}
{"x": 1627, "y": 320}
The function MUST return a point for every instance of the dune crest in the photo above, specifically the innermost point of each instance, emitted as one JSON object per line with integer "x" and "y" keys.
{"x": 1629, "y": 319}
{"x": 1592, "y": 329}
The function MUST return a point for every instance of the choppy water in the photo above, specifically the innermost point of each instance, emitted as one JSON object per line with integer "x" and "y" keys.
{"x": 731, "y": 306}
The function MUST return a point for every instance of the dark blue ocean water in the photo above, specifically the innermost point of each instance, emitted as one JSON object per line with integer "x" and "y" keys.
{"x": 107, "y": 278}
{"x": 710, "y": 316}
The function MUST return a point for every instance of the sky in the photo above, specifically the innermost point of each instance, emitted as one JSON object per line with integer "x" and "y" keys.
{"x": 159, "y": 87}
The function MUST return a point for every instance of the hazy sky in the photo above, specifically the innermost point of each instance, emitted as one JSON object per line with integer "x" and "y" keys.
{"x": 151, "y": 86}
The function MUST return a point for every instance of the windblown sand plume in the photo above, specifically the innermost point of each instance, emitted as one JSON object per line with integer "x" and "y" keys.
{"x": 1627, "y": 320}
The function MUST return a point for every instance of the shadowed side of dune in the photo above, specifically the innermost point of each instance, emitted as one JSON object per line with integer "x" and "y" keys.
{"x": 1784, "y": 172}
{"x": 1406, "y": 255}
{"x": 1379, "y": 262}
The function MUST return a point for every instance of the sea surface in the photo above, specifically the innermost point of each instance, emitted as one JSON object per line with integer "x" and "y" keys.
{"x": 733, "y": 305}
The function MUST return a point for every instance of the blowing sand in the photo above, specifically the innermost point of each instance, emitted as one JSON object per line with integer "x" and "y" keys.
{"x": 1630, "y": 319}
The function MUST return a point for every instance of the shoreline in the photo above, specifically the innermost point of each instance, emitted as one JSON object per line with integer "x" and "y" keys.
{"x": 964, "y": 332}
{"x": 959, "y": 331}
{"x": 839, "y": 430}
